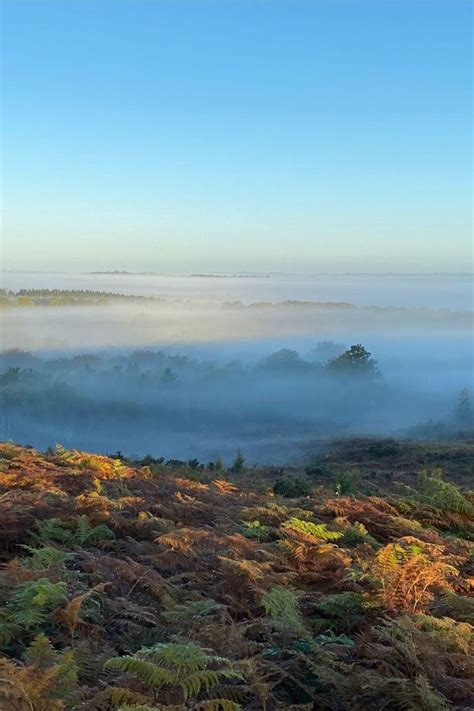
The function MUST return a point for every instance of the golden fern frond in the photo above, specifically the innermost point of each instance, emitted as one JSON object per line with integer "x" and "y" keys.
{"x": 248, "y": 568}
{"x": 70, "y": 613}
{"x": 183, "y": 539}
{"x": 28, "y": 688}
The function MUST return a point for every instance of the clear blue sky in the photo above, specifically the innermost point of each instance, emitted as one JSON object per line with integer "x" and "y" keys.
{"x": 297, "y": 135}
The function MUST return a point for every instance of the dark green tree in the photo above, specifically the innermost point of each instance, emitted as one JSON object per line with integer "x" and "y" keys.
{"x": 356, "y": 360}
{"x": 239, "y": 463}
{"x": 463, "y": 413}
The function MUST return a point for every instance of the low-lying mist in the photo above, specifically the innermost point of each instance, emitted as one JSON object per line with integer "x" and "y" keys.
{"x": 184, "y": 380}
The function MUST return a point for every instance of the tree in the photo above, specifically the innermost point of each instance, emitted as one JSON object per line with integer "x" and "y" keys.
{"x": 238, "y": 465}
{"x": 284, "y": 359}
{"x": 356, "y": 360}
{"x": 463, "y": 411}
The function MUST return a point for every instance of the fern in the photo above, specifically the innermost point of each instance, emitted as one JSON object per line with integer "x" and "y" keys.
{"x": 70, "y": 613}
{"x": 84, "y": 534}
{"x": 317, "y": 531}
{"x": 419, "y": 695}
{"x": 255, "y": 529}
{"x": 192, "y": 610}
{"x": 46, "y": 557}
{"x": 87, "y": 534}
{"x": 457, "y": 606}
{"x": 33, "y": 601}
{"x": 282, "y": 606}
{"x": 51, "y": 529}
{"x": 442, "y": 495}
{"x": 41, "y": 652}
{"x": 41, "y": 684}
{"x": 148, "y": 673}
{"x": 345, "y": 605}
{"x": 184, "y": 667}
{"x": 455, "y": 637}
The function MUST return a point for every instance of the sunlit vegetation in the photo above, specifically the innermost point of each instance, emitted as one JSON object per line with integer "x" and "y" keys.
{"x": 65, "y": 297}
{"x": 160, "y": 584}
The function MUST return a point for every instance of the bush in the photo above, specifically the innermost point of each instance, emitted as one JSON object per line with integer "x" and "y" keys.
{"x": 239, "y": 464}
{"x": 292, "y": 487}
{"x": 317, "y": 470}
{"x": 346, "y": 482}
{"x": 386, "y": 448}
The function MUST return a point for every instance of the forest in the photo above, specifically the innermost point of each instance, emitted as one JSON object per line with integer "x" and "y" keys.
{"x": 150, "y": 585}
{"x": 275, "y": 407}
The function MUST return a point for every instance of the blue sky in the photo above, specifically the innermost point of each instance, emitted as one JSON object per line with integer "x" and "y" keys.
{"x": 183, "y": 135}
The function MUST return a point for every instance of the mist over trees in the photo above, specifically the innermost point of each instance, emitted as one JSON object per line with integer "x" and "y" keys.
{"x": 173, "y": 405}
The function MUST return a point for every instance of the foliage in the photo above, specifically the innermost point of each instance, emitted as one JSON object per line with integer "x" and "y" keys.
{"x": 177, "y": 667}
{"x": 442, "y": 495}
{"x": 82, "y": 534}
{"x": 30, "y": 605}
{"x": 281, "y": 604}
{"x": 150, "y": 585}
{"x": 42, "y": 682}
{"x": 312, "y": 530}
{"x": 355, "y": 361}
{"x": 292, "y": 487}
{"x": 238, "y": 464}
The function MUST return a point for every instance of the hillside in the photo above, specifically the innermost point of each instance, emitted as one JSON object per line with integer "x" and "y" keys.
{"x": 154, "y": 585}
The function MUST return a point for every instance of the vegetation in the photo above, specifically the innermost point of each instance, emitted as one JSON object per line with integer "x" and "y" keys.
{"x": 65, "y": 297}
{"x": 173, "y": 585}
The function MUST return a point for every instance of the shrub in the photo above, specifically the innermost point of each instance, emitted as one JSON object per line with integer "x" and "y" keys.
{"x": 292, "y": 487}
{"x": 386, "y": 448}
{"x": 345, "y": 483}
{"x": 317, "y": 470}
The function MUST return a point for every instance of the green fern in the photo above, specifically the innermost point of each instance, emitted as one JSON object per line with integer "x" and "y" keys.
{"x": 314, "y": 530}
{"x": 148, "y": 673}
{"x": 342, "y": 605}
{"x": 84, "y": 534}
{"x": 442, "y": 495}
{"x": 33, "y": 601}
{"x": 45, "y": 558}
{"x": 41, "y": 652}
{"x": 418, "y": 695}
{"x": 459, "y": 607}
{"x": 255, "y": 529}
{"x": 180, "y": 666}
{"x": 51, "y": 529}
{"x": 87, "y": 534}
{"x": 192, "y": 610}
{"x": 282, "y": 606}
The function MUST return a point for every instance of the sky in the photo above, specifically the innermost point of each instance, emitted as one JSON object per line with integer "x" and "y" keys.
{"x": 236, "y": 135}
